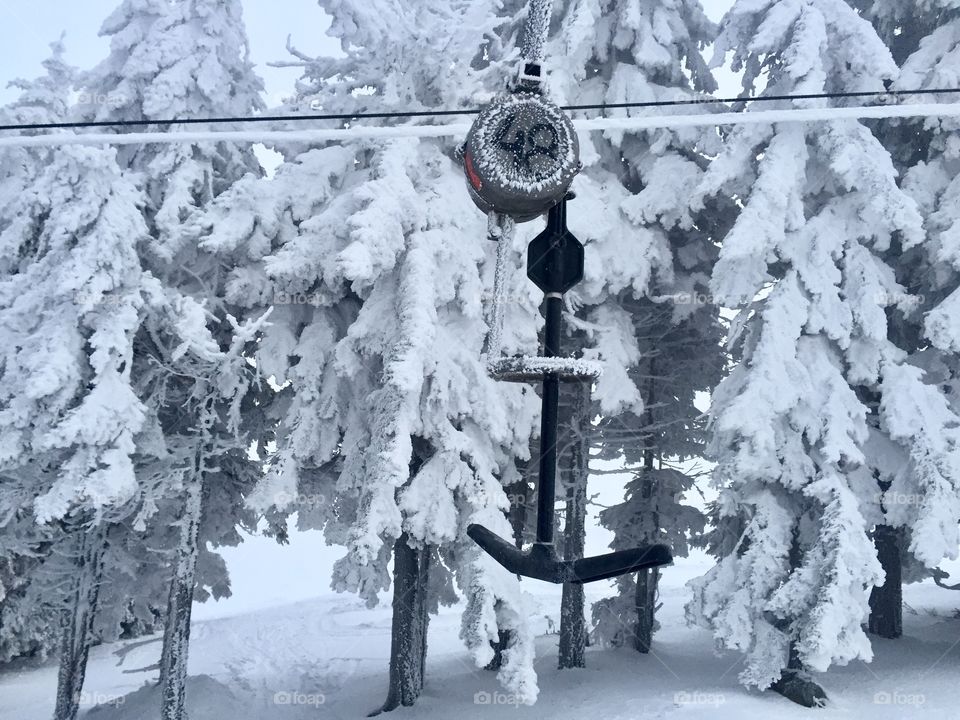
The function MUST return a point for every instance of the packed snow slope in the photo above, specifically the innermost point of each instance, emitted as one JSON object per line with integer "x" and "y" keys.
{"x": 285, "y": 648}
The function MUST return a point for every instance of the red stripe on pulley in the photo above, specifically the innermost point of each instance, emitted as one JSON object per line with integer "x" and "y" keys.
{"x": 472, "y": 171}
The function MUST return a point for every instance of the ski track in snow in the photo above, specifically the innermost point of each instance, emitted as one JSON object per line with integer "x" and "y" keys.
{"x": 277, "y": 663}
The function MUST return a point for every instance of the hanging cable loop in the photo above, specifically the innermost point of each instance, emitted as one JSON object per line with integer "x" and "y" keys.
{"x": 500, "y": 229}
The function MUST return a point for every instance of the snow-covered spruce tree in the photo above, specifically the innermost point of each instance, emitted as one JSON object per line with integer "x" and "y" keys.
{"x": 129, "y": 601}
{"x": 25, "y": 545}
{"x": 648, "y": 261}
{"x": 925, "y": 41}
{"x": 208, "y": 464}
{"x": 796, "y": 457}
{"x": 33, "y": 562}
{"x": 662, "y": 445}
{"x": 394, "y": 439}
{"x": 904, "y": 24}
{"x": 70, "y": 305}
{"x": 189, "y": 59}
{"x": 113, "y": 90}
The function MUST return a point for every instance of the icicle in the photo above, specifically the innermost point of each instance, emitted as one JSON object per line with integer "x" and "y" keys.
{"x": 500, "y": 229}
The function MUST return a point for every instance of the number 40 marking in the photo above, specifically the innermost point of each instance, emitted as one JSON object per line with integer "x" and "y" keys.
{"x": 524, "y": 146}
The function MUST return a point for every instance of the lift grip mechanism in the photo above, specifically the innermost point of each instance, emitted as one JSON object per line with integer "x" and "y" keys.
{"x": 555, "y": 264}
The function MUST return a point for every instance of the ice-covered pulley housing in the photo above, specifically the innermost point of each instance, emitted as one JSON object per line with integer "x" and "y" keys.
{"x": 520, "y": 156}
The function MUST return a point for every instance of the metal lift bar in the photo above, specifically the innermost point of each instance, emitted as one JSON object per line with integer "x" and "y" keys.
{"x": 555, "y": 263}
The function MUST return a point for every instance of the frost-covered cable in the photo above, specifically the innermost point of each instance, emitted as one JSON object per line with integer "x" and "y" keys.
{"x": 404, "y": 114}
{"x": 500, "y": 228}
{"x": 760, "y": 117}
{"x": 536, "y": 30}
{"x": 769, "y": 117}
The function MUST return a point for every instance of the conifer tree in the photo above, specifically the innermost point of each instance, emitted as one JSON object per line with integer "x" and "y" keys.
{"x": 70, "y": 306}
{"x": 924, "y": 39}
{"x": 25, "y": 544}
{"x": 189, "y": 59}
{"x": 645, "y": 310}
{"x": 376, "y": 263}
{"x": 805, "y": 263}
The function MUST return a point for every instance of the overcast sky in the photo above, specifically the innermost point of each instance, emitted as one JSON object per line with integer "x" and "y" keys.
{"x": 28, "y": 28}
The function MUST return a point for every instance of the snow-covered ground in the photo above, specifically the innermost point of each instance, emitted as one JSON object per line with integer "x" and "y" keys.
{"x": 286, "y": 648}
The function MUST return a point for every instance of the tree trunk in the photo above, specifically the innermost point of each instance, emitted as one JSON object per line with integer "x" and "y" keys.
{"x": 519, "y": 495}
{"x": 573, "y": 631}
{"x": 646, "y": 597}
{"x": 423, "y": 611}
{"x": 886, "y": 601}
{"x": 408, "y": 646}
{"x": 504, "y": 638}
{"x": 176, "y": 634}
{"x": 794, "y": 683}
{"x": 648, "y": 580}
{"x": 76, "y": 620}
